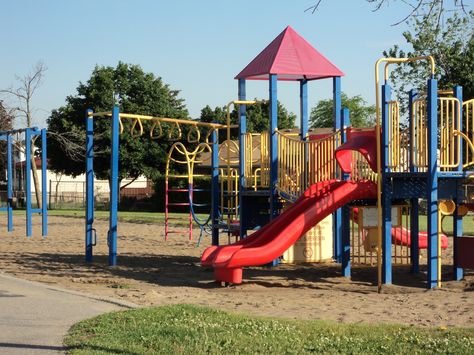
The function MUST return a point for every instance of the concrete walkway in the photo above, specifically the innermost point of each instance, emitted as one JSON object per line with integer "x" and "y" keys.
{"x": 34, "y": 317}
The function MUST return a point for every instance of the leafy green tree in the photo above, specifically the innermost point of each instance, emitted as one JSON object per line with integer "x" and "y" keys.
{"x": 361, "y": 114}
{"x": 258, "y": 117}
{"x": 136, "y": 92}
{"x": 451, "y": 44}
{"x": 209, "y": 115}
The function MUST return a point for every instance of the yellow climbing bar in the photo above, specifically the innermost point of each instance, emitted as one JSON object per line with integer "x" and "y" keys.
{"x": 133, "y": 116}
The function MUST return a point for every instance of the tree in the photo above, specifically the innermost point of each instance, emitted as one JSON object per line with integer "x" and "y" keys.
{"x": 6, "y": 119}
{"x": 6, "y": 124}
{"x": 417, "y": 8}
{"x": 258, "y": 117}
{"x": 361, "y": 115}
{"x": 136, "y": 92}
{"x": 23, "y": 109}
{"x": 451, "y": 44}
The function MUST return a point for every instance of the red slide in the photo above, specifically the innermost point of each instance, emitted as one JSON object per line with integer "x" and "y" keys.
{"x": 319, "y": 188}
{"x": 319, "y": 201}
{"x": 401, "y": 236}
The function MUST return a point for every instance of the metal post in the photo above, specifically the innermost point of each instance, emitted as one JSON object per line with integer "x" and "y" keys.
{"x": 414, "y": 204}
{"x": 9, "y": 182}
{"x": 432, "y": 183}
{"x": 44, "y": 184}
{"x": 114, "y": 187}
{"x": 337, "y": 216}
{"x": 89, "y": 184}
{"x": 242, "y": 134}
{"x": 215, "y": 188}
{"x": 458, "y": 273}
{"x": 386, "y": 191}
{"x": 303, "y": 109}
{"x": 304, "y": 128}
{"x": 28, "y": 181}
{"x": 457, "y": 93}
{"x": 457, "y": 220}
{"x": 345, "y": 211}
{"x": 273, "y": 146}
{"x": 50, "y": 206}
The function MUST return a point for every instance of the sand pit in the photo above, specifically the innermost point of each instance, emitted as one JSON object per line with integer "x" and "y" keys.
{"x": 152, "y": 271}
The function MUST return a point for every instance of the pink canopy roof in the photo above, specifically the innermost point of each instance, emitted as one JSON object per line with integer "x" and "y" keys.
{"x": 291, "y": 57}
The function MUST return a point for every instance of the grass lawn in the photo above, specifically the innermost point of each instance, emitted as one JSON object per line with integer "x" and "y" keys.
{"x": 125, "y": 216}
{"x": 182, "y": 218}
{"x": 185, "y": 329}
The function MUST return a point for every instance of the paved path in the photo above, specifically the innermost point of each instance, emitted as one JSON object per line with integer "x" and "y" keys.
{"x": 34, "y": 318}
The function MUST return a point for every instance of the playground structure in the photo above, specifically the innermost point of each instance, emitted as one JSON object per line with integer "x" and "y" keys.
{"x": 373, "y": 171}
{"x": 357, "y": 175}
{"x": 14, "y": 193}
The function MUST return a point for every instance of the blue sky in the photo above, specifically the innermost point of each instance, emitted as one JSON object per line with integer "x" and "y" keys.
{"x": 195, "y": 46}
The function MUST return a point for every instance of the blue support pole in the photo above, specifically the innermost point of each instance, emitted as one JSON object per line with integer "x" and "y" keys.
{"x": 458, "y": 273}
{"x": 242, "y": 132}
{"x": 414, "y": 203}
{"x": 215, "y": 188}
{"x": 414, "y": 232}
{"x": 304, "y": 124}
{"x": 432, "y": 113}
{"x": 457, "y": 220}
{"x": 44, "y": 184}
{"x": 337, "y": 216}
{"x": 9, "y": 183}
{"x": 114, "y": 187}
{"x": 273, "y": 146}
{"x": 345, "y": 215}
{"x": 386, "y": 191}
{"x": 303, "y": 109}
{"x": 28, "y": 181}
{"x": 89, "y": 185}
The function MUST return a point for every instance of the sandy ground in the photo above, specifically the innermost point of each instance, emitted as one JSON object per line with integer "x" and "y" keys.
{"x": 153, "y": 271}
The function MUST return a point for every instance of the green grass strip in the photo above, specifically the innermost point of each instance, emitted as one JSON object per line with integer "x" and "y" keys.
{"x": 125, "y": 216}
{"x": 183, "y": 218}
{"x": 185, "y": 329}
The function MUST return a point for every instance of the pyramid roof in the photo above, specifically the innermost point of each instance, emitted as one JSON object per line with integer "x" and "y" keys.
{"x": 291, "y": 57}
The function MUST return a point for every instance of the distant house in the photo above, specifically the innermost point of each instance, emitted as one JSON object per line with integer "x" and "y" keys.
{"x": 68, "y": 189}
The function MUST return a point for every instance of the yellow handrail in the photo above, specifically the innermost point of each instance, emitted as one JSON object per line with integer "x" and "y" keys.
{"x": 303, "y": 163}
{"x": 394, "y": 135}
{"x": 419, "y": 149}
{"x": 450, "y": 144}
{"x": 468, "y": 128}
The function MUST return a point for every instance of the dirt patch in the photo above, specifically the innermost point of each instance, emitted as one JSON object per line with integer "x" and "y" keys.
{"x": 153, "y": 271}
